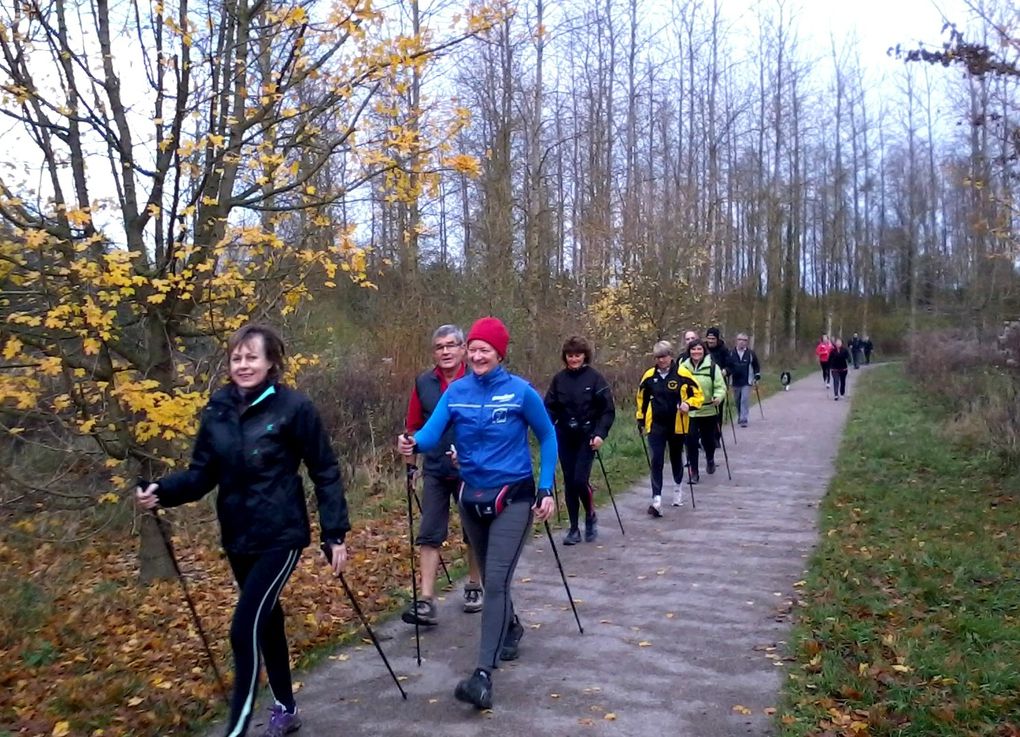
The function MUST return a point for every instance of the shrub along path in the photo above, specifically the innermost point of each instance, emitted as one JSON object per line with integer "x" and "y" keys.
{"x": 685, "y": 616}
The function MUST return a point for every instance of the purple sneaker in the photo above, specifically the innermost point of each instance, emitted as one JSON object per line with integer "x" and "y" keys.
{"x": 281, "y": 722}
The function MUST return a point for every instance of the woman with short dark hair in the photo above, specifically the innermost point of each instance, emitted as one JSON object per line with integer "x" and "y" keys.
{"x": 839, "y": 367}
{"x": 580, "y": 404}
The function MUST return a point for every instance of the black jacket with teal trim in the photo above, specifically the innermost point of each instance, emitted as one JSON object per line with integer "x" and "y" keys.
{"x": 253, "y": 455}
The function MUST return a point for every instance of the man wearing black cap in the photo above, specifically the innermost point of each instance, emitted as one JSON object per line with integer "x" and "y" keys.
{"x": 720, "y": 354}
{"x": 717, "y": 348}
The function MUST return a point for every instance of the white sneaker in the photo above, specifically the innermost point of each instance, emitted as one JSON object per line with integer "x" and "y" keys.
{"x": 678, "y": 497}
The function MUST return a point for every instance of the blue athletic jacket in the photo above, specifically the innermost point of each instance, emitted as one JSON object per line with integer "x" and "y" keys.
{"x": 491, "y": 415}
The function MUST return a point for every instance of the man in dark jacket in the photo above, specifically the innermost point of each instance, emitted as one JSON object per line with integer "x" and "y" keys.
{"x": 868, "y": 347}
{"x": 720, "y": 354}
{"x": 441, "y": 479}
{"x": 744, "y": 372}
{"x": 717, "y": 349}
{"x": 856, "y": 346}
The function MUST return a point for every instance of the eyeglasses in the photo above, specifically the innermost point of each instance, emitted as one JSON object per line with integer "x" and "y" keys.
{"x": 446, "y": 347}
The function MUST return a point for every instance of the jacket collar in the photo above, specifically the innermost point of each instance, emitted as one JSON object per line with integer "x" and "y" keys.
{"x": 493, "y": 377}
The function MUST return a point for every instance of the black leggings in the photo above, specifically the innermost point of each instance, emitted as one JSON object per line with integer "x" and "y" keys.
{"x": 497, "y": 542}
{"x": 658, "y": 439}
{"x": 703, "y": 429}
{"x": 839, "y": 382}
{"x": 576, "y": 458}
{"x": 258, "y": 629}
{"x": 825, "y": 370}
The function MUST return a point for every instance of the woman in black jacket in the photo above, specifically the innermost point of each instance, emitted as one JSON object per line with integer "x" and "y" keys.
{"x": 581, "y": 407}
{"x": 254, "y": 434}
{"x": 839, "y": 365}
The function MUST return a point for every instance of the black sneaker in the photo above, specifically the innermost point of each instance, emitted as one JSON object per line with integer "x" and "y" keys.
{"x": 512, "y": 640}
{"x": 710, "y": 467}
{"x": 426, "y": 613}
{"x": 474, "y": 597}
{"x": 475, "y": 690}
{"x": 591, "y": 528}
{"x": 573, "y": 537}
{"x": 655, "y": 508}
{"x": 695, "y": 477}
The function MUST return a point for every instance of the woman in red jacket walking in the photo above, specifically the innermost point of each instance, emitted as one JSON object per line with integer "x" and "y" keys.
{"x": 823, "y": 350}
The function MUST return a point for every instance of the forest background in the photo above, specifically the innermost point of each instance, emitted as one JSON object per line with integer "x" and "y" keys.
{"x": 358, "y": 174}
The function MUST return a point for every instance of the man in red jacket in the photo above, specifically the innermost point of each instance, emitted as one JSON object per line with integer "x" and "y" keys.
{"x": 441, "y": 479}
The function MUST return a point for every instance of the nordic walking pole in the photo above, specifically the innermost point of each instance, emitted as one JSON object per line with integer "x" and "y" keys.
{"x": 563, "y": 576}
{"x": 556, "y": 499}
{"x": 165, "y": 535}
{"x": 729, "y": 413}
{"x": 644, "y": 445}
{"x": 687, "y": 465}
{"x": 409, "y": 469}
{"x": 726, "y": 457}
{"x": 690, "y": 482}
{"x": 328, "y": 552}
{"x": 758, "y": 395}
{"x": 442, "y": 562}
{"x": 610, "y": 490}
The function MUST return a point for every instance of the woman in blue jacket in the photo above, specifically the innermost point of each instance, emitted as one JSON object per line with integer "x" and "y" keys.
{"x": 491, "y": 411}
{"x": 254, "y": 434}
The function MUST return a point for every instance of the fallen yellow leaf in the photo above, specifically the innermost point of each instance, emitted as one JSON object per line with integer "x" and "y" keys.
{"x": 740, "y": 709}
{"x": 61, "y": 729}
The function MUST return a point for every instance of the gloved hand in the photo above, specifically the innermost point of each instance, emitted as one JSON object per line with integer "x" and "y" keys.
{"x": 757, "y": 378}
{"x": 641, "y": 427}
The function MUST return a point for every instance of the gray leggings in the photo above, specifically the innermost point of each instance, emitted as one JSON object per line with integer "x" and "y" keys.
{"x": 497, "y": 543}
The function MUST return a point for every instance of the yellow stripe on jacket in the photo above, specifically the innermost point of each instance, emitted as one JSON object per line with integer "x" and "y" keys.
{"x": 678, "y": 386}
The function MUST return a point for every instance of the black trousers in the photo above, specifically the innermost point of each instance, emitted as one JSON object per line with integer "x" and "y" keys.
{"x": 257, "y": 630}
{"x": 702, "y": 429}
{"x": 839, "y": 382}
{"x": 576, "y": 458}
{"x": 825, "y": 370}
{"x": 658, "y": 440}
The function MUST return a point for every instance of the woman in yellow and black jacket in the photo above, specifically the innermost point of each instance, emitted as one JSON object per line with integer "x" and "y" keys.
{"x": 704, "y": 420}
{"x": 664, "y": 397}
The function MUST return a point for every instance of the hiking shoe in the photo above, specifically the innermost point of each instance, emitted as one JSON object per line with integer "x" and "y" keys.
{"x": 678, "y": 497}
{"x": 710, "y": 467}
{"x": 474, "y": 597}
{"x": 743, "y": 423}
{"x": 425, "y": 614}
{"x": 573, "y": 537}
{"x": 281, "y": 722}
{"x": 695, "y": 477}
{"x": 475, "y": 690}
{"x": 655, "y": 508}
{"x": 512, "y": 640}
{"x": 591, "y": 528}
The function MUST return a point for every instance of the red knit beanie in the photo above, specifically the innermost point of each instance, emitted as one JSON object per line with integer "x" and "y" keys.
{"x": 492, "y": 331}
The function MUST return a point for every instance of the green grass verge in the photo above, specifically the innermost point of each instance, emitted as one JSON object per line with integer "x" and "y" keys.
{"x": 909, "y": 624}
